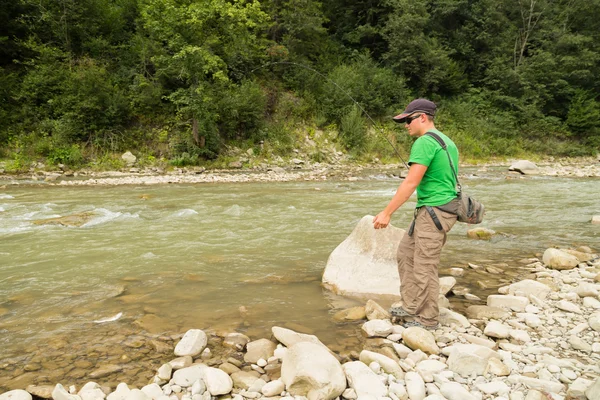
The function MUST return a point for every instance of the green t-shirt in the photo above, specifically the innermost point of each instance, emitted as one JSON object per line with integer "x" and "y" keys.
{"x": 438, "y": 185}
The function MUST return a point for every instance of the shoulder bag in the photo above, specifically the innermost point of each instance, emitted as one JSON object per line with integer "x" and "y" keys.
{"x": 469, "y": 210}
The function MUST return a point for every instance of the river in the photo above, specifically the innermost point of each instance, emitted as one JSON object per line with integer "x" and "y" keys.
{"x": 225, "y": 257}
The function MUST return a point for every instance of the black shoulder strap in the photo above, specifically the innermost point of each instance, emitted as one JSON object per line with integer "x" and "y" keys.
{"x": 443, "y": 144}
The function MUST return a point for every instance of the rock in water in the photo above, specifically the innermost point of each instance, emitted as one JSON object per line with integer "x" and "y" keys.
{"x": 524, "y": 167}
{"x": 365, "y": 263}
{"x": 192, "y": 343}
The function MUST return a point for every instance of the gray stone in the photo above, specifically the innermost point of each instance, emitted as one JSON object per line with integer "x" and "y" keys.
{"x": 528, "y": 287}
{"x": 365, "y": 263}
{"x": 17, "y": 394}
{"x": 524, "y": 167}
{"x": 455, "y": 391}
{"x": 192, "y": 343}
{"x": 129, "y": 158}
{"x": 363, "y": 380}
{"x": 185, "y": 377}
{"x": 310, "y": 370}
{"x": 374, "y": 311}
{"x": 422, "y": 339}
{"x": 257, "y": 349}
{"x": 486, "y": 312}
{"x": 217, "y": 381}
{"x": 593, "y": 392}
{"x": 558, "y": 259}
{"x": 467, "y": 359}
{"x": 289, "y": 338}
{"x": 387, "y": 364}
{"x": 377, "y": 328}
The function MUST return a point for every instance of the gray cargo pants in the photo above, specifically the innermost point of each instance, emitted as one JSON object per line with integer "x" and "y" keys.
{"x": 418, "y": 259}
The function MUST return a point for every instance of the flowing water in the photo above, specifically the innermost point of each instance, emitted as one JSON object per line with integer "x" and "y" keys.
{"x": 224, "y": 257}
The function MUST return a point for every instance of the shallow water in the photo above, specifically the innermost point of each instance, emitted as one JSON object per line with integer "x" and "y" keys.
{"x": 170, "y": 258}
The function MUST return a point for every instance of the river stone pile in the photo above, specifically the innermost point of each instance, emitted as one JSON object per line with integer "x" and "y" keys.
{"x": 537, "y": 339}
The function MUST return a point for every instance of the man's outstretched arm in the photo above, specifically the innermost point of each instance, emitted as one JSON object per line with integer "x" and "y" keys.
{"x": 405, "y": 190}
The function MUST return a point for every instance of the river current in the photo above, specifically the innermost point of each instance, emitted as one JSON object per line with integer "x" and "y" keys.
{"x": 226, "y": 257}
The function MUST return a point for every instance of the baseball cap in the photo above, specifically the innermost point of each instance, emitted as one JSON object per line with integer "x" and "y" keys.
{"x": 419, "y": 105}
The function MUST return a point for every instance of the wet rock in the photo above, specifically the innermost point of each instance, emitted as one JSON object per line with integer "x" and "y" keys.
{"x": 374, "y": 311}
{"x": 181, "y": 362}
{"x": 350, "y": 314}
{"x": 363, "y": 380}
{"x": 165, "y": 371}
{"x": 596, "y": 219}
{"x": 192, "y": 343}
{"x": 365, "y": 262}
{"x": 524, "y": 167}
{"x": 446, "y": 284}
{"x": 243, "y": 379}
{"x": 310, "y": 370}
{"x": 480, "y": 233}
{"x": 73, "y": 220}
{"x": 42, "y": 391}
{"x": 558, "y": 259}
{"x": 236, "y": 341}
{"x": 257, "y": 349}
{"x": 289, "y": 338}
{"x": 420, "y": 339}
{"x": 105, "y": 371}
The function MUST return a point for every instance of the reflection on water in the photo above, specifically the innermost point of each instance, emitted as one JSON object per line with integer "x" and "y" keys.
{"x": 241, "y": 257}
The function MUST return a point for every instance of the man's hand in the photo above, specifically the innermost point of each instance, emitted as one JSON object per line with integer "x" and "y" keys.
{"x": 381, "y": 220}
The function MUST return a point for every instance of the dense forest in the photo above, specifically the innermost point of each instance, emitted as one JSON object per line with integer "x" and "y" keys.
{"x": 183, "y": 81}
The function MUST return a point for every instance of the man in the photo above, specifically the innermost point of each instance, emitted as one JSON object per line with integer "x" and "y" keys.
{"x": 420, "y": 248}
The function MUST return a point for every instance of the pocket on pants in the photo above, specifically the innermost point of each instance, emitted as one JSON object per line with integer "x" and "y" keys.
{"x": 430, "y": 241}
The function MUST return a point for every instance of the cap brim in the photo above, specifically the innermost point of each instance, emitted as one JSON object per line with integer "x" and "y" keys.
{"x": 401, "y": 118}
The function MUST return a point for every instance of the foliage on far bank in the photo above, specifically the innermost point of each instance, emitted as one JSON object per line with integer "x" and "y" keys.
{"x": 183, "y": 81}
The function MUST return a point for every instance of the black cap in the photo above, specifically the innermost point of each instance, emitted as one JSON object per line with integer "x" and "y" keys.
{"x": 416, "y": 106}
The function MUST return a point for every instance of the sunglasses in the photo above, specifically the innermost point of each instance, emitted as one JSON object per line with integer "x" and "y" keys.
{"x": 409, "y": 120}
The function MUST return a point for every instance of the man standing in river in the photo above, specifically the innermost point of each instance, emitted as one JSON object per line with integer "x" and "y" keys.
{"x": 419, "y": 251}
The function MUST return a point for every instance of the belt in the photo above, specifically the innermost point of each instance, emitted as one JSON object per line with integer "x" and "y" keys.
{"x": 433, "y": 215}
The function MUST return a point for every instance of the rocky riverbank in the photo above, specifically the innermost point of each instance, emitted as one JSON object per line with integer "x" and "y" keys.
{"x": 295, "y": 169}
{"x": 537, "y": 339}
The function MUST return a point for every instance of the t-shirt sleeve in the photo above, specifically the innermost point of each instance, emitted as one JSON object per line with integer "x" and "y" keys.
{"x": 422, "y": 151}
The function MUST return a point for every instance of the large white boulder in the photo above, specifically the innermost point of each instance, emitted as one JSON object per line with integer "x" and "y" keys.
{"x": 365, "y": 263}
{"x": 192, "y": 343}
{"x": 309, "y": 370}
{"x": 363, "y": 380}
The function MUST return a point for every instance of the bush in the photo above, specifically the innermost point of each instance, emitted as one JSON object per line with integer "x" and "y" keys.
{"x": 353, "y": 130}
